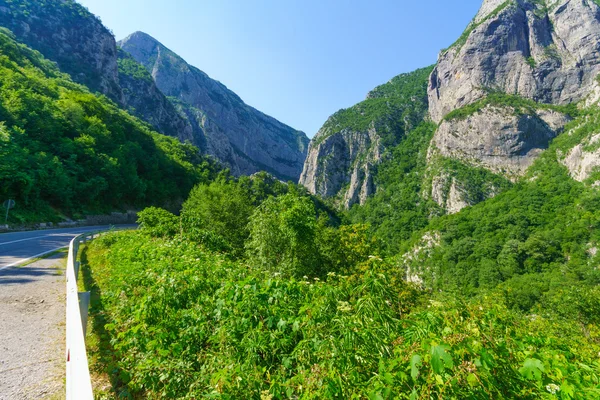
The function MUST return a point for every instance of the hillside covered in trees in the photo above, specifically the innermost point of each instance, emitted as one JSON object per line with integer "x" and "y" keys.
{"x": 66, "y": 151}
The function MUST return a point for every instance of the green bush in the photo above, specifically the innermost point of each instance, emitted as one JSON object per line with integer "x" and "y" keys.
{"x": 283, "y": 236}
{"x": 185, "y": 323}
{"x": 158, "y": 222}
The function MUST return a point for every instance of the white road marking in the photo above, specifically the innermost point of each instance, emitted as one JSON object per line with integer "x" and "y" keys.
{"x": 31, "y": 258}
{"x": 23, "y": 240}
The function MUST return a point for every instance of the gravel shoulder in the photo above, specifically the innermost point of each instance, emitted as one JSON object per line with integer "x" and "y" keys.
{"x": 32, "y": 330}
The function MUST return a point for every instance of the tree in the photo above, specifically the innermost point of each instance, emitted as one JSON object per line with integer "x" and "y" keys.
{"x": 282, "y": 236}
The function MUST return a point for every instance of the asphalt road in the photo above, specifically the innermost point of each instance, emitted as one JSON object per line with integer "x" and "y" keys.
{"x": 19, "y": 247}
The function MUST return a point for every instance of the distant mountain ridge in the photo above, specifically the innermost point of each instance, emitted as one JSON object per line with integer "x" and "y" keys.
{"x": 224, "y": 126}
{"x": 245, "y": 140}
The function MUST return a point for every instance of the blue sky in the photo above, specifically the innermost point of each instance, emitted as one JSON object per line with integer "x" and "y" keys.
{"x": 296, "y": 60}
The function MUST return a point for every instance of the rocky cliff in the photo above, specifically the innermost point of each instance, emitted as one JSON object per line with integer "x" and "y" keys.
{"x": 143, "y": 99}
{"x": 539, "y": 52}
{"x": 242, "y": 137}
{"x": 343, "y": 156}
{"x": 66, "y": 33}
{"x": 499, "y": 95}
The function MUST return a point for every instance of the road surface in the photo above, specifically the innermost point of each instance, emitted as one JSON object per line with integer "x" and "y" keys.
{"x": 32, "y": 313}
{"x": 19, "y": 247}
{"x": 32, "y": 328}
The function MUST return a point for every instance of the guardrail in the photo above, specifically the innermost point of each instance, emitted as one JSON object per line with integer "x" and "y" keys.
{"x": 79, "y": 384}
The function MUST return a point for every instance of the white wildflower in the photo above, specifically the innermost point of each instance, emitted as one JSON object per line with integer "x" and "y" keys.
{"x": 552, "y": 388}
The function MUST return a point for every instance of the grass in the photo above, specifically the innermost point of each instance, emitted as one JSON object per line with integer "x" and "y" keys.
{"x": 103, "y": 365}
{"x": 519, "y": 104}
{"x": 45, "y": 256}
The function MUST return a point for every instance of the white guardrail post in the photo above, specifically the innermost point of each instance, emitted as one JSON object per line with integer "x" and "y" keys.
{"x": 79, "y": 384}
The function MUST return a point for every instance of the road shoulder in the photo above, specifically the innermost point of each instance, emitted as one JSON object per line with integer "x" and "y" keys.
{"x": 32, "y": 328}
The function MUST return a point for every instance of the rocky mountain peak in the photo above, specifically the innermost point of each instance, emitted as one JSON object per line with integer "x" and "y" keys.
{"x": 546, "y": 51}
{"x": 243, "y": 138}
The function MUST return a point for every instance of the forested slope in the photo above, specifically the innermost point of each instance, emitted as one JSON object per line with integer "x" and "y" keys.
{"x": 66, "y": 150}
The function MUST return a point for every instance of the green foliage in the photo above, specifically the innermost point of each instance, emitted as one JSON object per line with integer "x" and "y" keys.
{"x": 224, "y": 207}
{"x": 392, "y": 109}
{"x": 131, "y": 68}
{"x": 531, "y": 61}
{"x": 66, "y": 149}
{"x": 282, "y": 236}
{"x": 477, "y": 184}
{"x": 513, "y": 310}
{"x": 519, "y": 104}
{"x": 184, "y": 323}
{"x": 531, "y": 239}
{"x": 158, "y": 222}
{"x": 398, "y": 208}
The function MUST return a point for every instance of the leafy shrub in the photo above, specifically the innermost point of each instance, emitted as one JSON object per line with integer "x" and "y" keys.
{"x": 158, "y": 222}
{"x": 283, "y": 236}
{"x": 184, "y": 323}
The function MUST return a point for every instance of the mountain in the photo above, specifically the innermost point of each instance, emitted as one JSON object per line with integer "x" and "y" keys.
{"x": 66, "y": 152}
{"x": 215, "y": 119}
{"x": 68, "y": 34}
{"x": 498, "y": 97}
{"x": 545, "y": 53}
{"x": 344, "y": 154}
{"x": 224, "y": 126}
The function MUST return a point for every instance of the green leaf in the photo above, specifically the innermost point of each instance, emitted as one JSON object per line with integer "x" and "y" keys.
{"x": 532, "y": 369}
{"x": 415, "y": 363}
{"x": 440, "y": 358}
{"x": 414, "y": 395}
{"x": 472, "y": 380}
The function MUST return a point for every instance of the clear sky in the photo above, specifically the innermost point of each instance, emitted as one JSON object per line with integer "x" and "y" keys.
{"x": 296, "y": 60}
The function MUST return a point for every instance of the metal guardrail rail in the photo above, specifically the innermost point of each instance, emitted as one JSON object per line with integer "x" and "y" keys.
{"x": 78, "y": 382}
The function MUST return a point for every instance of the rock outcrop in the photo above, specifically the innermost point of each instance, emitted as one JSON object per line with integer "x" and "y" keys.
{"x": 546, "y": 51}
{"x": 343, "y": 156}
{"x": 501, "y": 92}
{"x": 240, "y": 136}
{"x": 66, "y": 33}
{"x": 584, "y": 159}
{"x": 499, "y": 138}
{"x": 446, "y": 193}
{"x": 143, "y": 99}
{"x": 342, "y": 163}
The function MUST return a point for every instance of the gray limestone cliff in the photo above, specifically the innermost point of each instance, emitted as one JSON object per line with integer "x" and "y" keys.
{"x": 68, "y": 34}
{"x": 143, "y": 99}
{"x": 342, "y": 164}
{"x": 507, "y": 86}
{"x": 238, "y": 135}
{"x": 545, "y": 52}
{"x": 343, "y": 156}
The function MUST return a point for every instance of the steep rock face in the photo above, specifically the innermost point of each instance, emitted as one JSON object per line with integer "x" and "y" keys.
{"x": 498, "y": 138}
{"x": 343, "y": 160}
{"x": 548, "y": 52}
{"x": 65, "y": 32}
{"x": 447, "y": 194}
{"x": 343, "y": 156}
{"x": 584, "y": 159}
{"x": 146, "y": 101}
{"x": 502, "y": 91}
{"x": 242, "y": 137}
